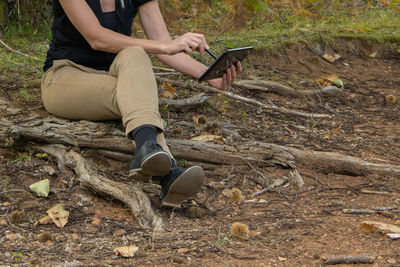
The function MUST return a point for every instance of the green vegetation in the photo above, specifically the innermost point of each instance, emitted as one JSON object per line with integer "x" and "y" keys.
{"x": 226, "y": 23}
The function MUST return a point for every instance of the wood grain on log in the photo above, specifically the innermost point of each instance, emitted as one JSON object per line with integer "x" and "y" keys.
{"x": 133, "y": 196}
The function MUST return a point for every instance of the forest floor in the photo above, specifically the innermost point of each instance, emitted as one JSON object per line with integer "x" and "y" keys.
{"x": 290, "y": 226}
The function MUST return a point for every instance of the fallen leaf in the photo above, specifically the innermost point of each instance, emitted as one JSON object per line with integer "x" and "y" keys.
{"x": 168, "y": 91}
{"x": 126, "y": 251}
{"x": 369, "y": 226}
{"x": 50, "y": 170}
{"x": 330, "y": 58}
{"x": 331, "y": 79}
{"x": 208, "y": 138}
{"x": 96, "y": 221}
{"x": 227, "y": 192}
{"x": 74, "y": 236}
{"x": 183, "y": 250}
{"x": 44, "y": 220}
{"x": 119, "y": 232}
{"x": 199, "y": 121}
{"x": 3, "y": 222}
{"x": 338, "y": 82}
{"x": 41, "y": 188}
{"x": 59, "y": 215}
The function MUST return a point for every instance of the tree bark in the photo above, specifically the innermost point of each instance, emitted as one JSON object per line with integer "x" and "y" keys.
{"x": 133, "y": 196}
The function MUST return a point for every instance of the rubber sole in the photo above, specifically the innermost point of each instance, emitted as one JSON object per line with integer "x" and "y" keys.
{"x": 158, "y": 164}
{"x": 186, "y": 185}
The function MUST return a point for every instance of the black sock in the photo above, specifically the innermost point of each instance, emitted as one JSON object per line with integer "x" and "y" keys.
{"x": 143, "y": 134}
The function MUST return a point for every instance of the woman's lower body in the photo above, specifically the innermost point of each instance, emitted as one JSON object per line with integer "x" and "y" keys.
{"x": 128, "y": 92}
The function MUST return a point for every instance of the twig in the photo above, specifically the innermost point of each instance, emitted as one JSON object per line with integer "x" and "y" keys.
{"x": 19, "y": 52}
{"x": 376, "y": 192}
{"x": 358, "y": 211}
{"x": 350, "y": 259}
{"x": 269, "y": 108}
{"x": 12, "y": 191}
{"x": 268, "y": 187}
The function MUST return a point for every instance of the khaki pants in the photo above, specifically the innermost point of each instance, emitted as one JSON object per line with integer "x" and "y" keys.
{"x": 128, "y": 92}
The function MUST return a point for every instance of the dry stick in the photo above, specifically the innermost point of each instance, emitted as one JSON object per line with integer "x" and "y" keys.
{"x": 12, "y": 191}
{"x": 270, "y": 108}
{"x": 350, "y": 259}
{"x": 268, "y": 187}
{"x": 19, "y": 52}
{"x": 186, "y": 102}
{"x": 280, "y": 89}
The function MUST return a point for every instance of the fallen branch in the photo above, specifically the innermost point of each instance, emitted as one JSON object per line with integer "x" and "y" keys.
{"x": 132, "y": 196}
{"x": 280, "y": 89}
{"x": 269, "y": 108}
{"x": 186, "y": 102}
{"x": 350, "y": 259}
{"x": 19, "y": 52}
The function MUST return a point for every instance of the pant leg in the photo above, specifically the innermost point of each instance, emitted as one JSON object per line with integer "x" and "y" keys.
{"x": 136, "y": 84}
{"x": 72, "y": 91}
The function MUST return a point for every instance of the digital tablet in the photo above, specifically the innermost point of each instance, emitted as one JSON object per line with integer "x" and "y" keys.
{"x": 228, "y": 58}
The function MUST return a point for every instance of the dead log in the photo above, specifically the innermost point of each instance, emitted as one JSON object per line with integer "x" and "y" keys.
{"x": 110, "y": 137}
{"x": 133, "y": 196}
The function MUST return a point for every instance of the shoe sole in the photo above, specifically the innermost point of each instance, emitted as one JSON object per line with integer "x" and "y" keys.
{"x": 158, "y": 164}
{"x": 186, "y": 185}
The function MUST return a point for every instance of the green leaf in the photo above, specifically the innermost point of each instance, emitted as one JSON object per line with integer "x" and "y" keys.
{"x": 338, "y": 83}
{"x": 41, "y": 188}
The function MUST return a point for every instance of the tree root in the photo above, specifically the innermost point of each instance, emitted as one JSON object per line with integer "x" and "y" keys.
{"x": 132, "y": 196}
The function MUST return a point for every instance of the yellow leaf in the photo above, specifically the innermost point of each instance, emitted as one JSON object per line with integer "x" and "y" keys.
{"x": 41, "y": 188}
{"x": 199, "y": 121}
{"x": 208, "y": 138}
{"x": 44, "y": 220}
{"x": 168, "y": 90}
{"x": 126, "y": 251}
{"x": 59, "y": 215}
{"x": 330, "y": 58}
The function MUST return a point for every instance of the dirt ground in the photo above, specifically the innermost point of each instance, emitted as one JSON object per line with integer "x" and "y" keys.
{"x": 288, "y": 227}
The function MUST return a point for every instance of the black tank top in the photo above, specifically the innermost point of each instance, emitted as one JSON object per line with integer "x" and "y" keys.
{"x": 68, "y": 43}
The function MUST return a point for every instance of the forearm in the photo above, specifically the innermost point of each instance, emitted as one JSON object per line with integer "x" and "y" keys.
{"x": 184, "y": 64}
{"x": 113, "y": 42}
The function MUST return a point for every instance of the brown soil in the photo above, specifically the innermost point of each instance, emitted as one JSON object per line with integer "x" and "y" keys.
{"x": 288, "y": 227}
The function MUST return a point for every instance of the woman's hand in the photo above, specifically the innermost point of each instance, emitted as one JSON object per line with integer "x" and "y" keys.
{"x": 227, "y": 80}
{"x": 187, "y": 43}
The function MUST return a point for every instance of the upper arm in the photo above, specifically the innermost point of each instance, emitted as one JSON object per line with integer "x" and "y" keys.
{"x": 83, "y": 18}
{"x": 153, "y": 21}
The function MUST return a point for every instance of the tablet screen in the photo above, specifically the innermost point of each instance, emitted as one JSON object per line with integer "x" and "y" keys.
{"x": 228, "y": 58}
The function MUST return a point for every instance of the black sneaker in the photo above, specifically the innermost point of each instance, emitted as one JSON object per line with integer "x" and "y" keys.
{"x": 149, "y": 160}
{"x": 180, "y": 184}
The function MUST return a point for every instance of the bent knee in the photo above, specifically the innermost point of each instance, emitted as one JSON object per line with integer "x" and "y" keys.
{"x": 133, "y": 51}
